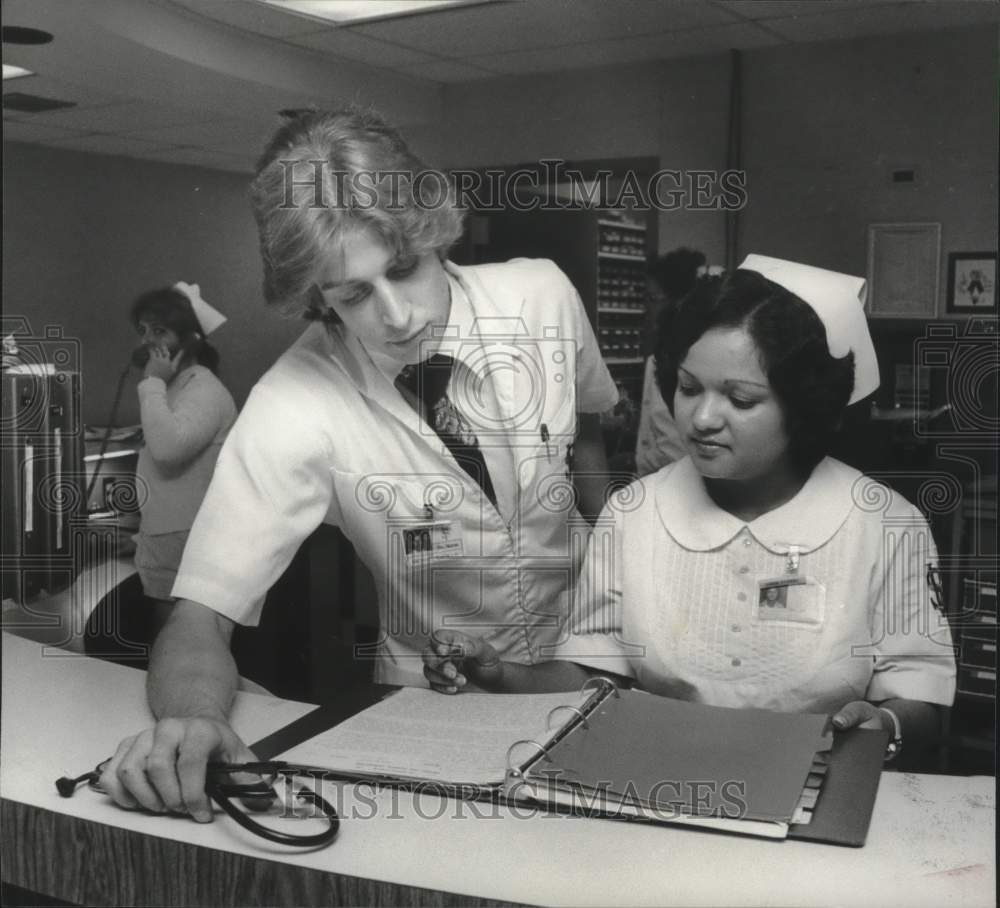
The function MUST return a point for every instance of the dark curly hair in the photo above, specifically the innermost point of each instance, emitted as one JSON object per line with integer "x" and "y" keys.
{"x": 812, "y": 387}
{"x": 172, "y": 309}
{"x": 676, "y": 272}
{"x": 671, "y": 276}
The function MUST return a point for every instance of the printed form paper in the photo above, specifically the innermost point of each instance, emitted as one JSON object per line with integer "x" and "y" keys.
{"x": 419, "y": 734}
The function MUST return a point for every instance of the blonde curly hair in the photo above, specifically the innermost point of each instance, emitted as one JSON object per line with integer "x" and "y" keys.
{"x": 326, "y": 172}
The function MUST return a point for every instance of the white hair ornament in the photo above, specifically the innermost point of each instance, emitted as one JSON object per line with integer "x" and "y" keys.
{"x": 208, "y": 316}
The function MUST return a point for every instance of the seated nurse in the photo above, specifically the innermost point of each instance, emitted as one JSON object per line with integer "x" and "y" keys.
{"x": 757, "y": 571}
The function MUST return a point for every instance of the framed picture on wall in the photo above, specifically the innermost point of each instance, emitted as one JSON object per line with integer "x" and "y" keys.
{"x": 903, "y": 270}
{"x": 972, "y": 283}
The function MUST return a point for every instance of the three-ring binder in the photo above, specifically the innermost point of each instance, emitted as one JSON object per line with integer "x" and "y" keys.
{"x": 611, "y": 753}
{"x": 514, "y": 776}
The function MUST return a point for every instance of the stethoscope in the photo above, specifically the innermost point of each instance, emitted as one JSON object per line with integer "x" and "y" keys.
{"x": 222, "y": 792}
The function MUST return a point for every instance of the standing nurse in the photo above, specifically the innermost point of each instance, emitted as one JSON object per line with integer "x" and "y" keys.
{"x": 445, "y": 418}
{"x": 186, "y": 413}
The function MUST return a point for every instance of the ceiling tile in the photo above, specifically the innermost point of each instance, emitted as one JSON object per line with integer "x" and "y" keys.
{"x": 240, "y": 147}
{"x": 695, "y": 42}
{"x": 874, "y": 20}
{"x": 349, "y": 45}
{"x": 249, "y": 16}
{"x": 25, "y": 130}
{"x": 47, "y": 87}
{"x": 104, "y": 144}
{"x": 449, "y": 71}
{"x": 510, "y": 27}
{"x": 209, "y": 107}
{"x": 129, "y": 117}
{"x": 210, "y": 133}
{"x": 773, "y": 9}
{"x": 200, "y": 157}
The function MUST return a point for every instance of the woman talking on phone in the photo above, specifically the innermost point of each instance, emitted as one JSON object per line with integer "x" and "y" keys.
{"x": 186, "y": 413}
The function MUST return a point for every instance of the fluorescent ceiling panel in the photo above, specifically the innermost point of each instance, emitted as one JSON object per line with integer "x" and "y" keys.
{"x": 15, "y": 72}
{"x": 350, "y": 12}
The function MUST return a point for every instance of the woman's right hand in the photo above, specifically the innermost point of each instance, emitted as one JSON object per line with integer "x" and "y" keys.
{"x": 453, "y": 659}
{"x": 161, "y": 364}
{"x": 163, "y": 768}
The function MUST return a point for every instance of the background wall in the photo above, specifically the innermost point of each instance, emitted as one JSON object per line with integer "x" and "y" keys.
{"x": 823, "y": 127}
{"x": 676, "y": 111}
{"x": 85, "y": 234}
{"x": 823, "y": 124}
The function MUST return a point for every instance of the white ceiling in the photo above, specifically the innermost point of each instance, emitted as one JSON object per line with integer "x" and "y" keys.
{"x": 199, "y": 81}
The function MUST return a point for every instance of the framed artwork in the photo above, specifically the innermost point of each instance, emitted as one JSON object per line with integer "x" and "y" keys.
{"x": 903, "y": 270}
{"x": 972, "y": 283}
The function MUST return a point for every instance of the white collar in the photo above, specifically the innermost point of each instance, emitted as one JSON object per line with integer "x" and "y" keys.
{"x": 460, "y": 338}
{"x": 806, "y": 522}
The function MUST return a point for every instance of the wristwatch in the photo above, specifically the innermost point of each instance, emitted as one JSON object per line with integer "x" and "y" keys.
{"x": 895, "y": 744}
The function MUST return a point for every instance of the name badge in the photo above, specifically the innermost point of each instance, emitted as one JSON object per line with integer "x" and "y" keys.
{"x": 792, "y": 600}
{"x": 428, "y": 542}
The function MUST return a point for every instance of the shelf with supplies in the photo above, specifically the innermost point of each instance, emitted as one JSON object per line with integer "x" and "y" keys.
{"x": 603, "y": 251}
{"x": 623, "y": 224}
{"x": 620, "y": 256}
{"x": 621, "y": 290}
{"x": 621, "y": 310}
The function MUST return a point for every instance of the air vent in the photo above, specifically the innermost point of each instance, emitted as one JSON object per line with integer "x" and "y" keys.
{"x": 17, "y": 100}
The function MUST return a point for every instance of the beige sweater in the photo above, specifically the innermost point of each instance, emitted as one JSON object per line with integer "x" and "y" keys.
{"x": 184, "y": 424}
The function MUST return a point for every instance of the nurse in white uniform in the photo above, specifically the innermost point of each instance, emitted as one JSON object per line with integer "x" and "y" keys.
{"x": 447, "y": 419}
{"x": 756, "y": 571}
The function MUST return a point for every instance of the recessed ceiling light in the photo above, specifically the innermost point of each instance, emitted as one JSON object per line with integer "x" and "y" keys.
{"x": 351, "y": 12}
{"x": 18, "y": 100}
{"x": 18, "y": 34}
{"x": 15, "y": 72}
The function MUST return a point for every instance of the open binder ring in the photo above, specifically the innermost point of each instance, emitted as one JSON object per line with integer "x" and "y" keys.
{"x": 514, "y": 771}
{"x": 569, "y": 706}
{"x": 603, "y": 683}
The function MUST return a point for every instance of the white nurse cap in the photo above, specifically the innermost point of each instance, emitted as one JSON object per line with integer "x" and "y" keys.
{"x": 838, "y": 300}
{"x": 208, "y": 317}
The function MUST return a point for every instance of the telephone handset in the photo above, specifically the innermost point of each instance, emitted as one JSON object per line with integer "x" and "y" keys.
{"x": 140, "y": 355}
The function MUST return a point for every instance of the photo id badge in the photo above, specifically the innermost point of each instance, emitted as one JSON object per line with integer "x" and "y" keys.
{"x": 791, "y": 600}
{"x": 430, "y": 541}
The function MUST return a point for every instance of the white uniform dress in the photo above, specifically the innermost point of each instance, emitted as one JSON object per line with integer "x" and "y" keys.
{"x": 326, "y": 437}
{"x": 674, "y": 593}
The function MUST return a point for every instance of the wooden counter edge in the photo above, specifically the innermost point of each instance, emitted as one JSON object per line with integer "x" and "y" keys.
{"x": 94, "y": 864}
